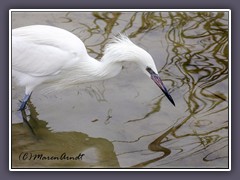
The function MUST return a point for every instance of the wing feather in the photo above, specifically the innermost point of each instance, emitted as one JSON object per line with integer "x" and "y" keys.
{"x": 45, "y": 52}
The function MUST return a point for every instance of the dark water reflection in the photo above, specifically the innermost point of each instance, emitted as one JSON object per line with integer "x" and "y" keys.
{"x": 34, "y": 149}
{"x": 138, "y": 128}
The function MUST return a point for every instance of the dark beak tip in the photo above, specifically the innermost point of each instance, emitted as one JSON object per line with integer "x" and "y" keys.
{"x": 171, "y": 100}
{"x": 169, "y": 97}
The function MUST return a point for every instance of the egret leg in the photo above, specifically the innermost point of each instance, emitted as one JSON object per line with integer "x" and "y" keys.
{"x": 24, "y": 101}
{"x": 23, "y": 114}
{"x": 24, "y": 117}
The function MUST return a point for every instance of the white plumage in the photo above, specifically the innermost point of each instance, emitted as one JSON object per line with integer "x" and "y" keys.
{"x": 46, "y": 54}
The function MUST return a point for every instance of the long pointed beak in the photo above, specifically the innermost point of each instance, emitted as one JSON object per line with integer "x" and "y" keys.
{"x": 155, "y": 77}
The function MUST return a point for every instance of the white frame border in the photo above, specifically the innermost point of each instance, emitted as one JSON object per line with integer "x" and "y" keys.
{"x": 122, "y": 10}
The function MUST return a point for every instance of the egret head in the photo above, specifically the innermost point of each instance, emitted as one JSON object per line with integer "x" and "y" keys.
{"x": 146, "y": 63}
{"x": 122, "y": 50}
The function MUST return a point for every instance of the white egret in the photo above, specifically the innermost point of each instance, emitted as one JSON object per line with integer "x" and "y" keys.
{"x": 46, "y": 54}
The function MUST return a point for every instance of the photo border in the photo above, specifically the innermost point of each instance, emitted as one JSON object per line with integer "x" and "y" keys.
{"x": 119, "y": 169}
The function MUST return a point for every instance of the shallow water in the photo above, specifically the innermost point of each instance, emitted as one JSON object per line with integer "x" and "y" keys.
{"x": 126, "y": 121}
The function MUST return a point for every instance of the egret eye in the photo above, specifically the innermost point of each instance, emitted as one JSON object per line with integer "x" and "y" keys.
{"x": 150, "y": 71}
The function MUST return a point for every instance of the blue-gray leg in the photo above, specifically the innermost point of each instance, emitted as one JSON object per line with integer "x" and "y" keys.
{"x": 23, "y": 114}
{"x": 24, "y": 101}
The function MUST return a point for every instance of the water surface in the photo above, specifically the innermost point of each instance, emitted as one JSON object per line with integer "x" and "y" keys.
{"x": 126, "y": 121}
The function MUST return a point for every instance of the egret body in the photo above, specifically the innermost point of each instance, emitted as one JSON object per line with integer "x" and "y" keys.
{"x": 46, "y": 54}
